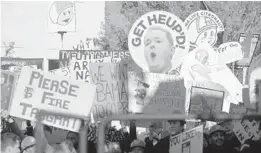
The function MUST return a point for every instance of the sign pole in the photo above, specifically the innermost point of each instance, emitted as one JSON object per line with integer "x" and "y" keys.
{"x": 62, "y": 34}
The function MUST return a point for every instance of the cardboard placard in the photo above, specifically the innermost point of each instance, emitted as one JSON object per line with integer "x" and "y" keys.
{"x": 79, "y": 60}
{"x": 156, "y": 93}
{"x": 8, "y": 82}
{"x": 40, "y": 90}
{"x": 168, "y": 32}
{"x": 237, "y": 109}
{"x": 190, "y": 141}
{"x": 249, "y": 43}
{"x": 206, "y": 101}
{"x": 245, "y": 130}
{"x": 112, "y": 88}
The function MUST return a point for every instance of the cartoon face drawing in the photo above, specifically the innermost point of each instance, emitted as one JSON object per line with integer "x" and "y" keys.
{"x": 202, "y": 56}
{"x": 62, "y": 12}
{"x": 66, "y": 16}
{"x": 141, "y": 93}
{"x": 209, "y": 36}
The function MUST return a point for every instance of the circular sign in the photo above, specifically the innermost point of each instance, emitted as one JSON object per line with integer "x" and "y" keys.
{"x": 203, "y": 26}
{"x": 158, "y": 42}
{"x": 61, "y": 12}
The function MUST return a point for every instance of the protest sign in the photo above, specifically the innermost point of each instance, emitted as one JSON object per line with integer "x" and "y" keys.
{"x": 237, "y": 109}
{"x": 8, "y": 81}
{"x": 229, "y": 52}
{"x": 154, "y": 26}
{"x": 79, "y": 60}
{"x": 245, "y": 130}
{"x": 38, "y": 90}
{"x": 249, "y": 43}
{"x": 156, "y": 93}
{"x": 61, "y": 16}
{"x": 203, "y": 26}
{"x": 64, "y": 71}
{"x": 190, "y": 141}
{"x": 111, "y": 93}
{"x": 254, "y": 75}
{"x": 206, "y": 101}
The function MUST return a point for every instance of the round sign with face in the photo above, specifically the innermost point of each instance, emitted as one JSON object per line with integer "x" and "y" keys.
{"x": 158, "y": 42}
{"x": 62, "y": 12}
{"x": 203, "y": 27}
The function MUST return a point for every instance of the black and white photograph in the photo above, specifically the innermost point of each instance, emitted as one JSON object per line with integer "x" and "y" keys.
{"x": 130, "y": 76}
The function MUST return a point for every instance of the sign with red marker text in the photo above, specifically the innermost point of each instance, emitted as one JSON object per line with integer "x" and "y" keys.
{"x": 190, "y": 141}
{"x": 8, "y": 80}
{"x": 156, "y": 93}
{"x": 39, "y": 90}
{"x": 111, "y": 89}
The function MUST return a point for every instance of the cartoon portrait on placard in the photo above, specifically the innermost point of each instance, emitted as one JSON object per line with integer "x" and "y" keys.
{"x": 62, "y": 12}
{"x": 141, "y": 92}
{"x": 203, "y": 27}
{"x": 158, "y": 42}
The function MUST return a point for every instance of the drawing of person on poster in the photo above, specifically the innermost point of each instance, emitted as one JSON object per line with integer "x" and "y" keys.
{"x": 141, "y": 92}
{"x": 161, "y": 38}
{"x": 203, "y": 27}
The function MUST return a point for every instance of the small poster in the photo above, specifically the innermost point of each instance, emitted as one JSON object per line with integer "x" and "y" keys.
{"x": 206, "y": 101}
{"x": 190, "y": 141}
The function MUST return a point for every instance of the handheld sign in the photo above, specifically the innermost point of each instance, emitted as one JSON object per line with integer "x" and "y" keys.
{"x": 249, "y": 43}
{"x": 156, "y": 93}
{"x": 237, "y": 109}
{"x": 62, "y": 16}
{"x": 206, "y": 101}
{"x": 8, "y": 82}
{"x": 79, "y": 60}
{"x": 38, "y": 90}
{"x": 158, "y": 42}
{"x": 111, "y": 94}
{"x": 190, "y": 141}
{"x": 203, "y": 26}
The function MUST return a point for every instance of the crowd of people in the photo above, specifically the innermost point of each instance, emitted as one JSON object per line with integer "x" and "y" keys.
{"x": 219, "y": 138}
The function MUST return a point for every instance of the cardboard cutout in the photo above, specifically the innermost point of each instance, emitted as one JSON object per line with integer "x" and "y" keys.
{"x": 158, "y": 42}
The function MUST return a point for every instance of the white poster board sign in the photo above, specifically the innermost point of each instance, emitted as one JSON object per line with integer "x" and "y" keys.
{"x": 156, "y": 93}
{"x": 190, "y": 141}
{"x": 112, "y": 88}
{"x": 38, "y": 90}
{"x": 245, "y": 130}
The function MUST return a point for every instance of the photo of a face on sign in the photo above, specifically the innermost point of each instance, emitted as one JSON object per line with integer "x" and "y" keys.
{"x": 203, "y": 27}
{"x": 158, "y": 42}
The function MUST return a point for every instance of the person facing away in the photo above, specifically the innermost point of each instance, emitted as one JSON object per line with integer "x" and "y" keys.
{"x": 159, "y": 50}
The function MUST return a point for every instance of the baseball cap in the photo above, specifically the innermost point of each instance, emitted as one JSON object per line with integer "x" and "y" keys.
{"x": 217, "y": 128}
{"x": 138, "y": 143}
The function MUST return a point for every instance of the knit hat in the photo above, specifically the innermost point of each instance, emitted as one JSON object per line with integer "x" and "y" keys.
{"x": 217, "y": 128}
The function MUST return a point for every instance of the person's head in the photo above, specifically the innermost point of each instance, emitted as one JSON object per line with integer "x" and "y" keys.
{"x": 155, "y": 127}
{"x": 176, "y": 126}
{"x": 158, "y": 49}
{"x": 28, "y": 145}
{"x": 74, "y": 137}
{"x": 10, "y": 143}
{"x": 113, "y": 148}
{"x": 137, "y": 146}
{"x": 217, "y": 136}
